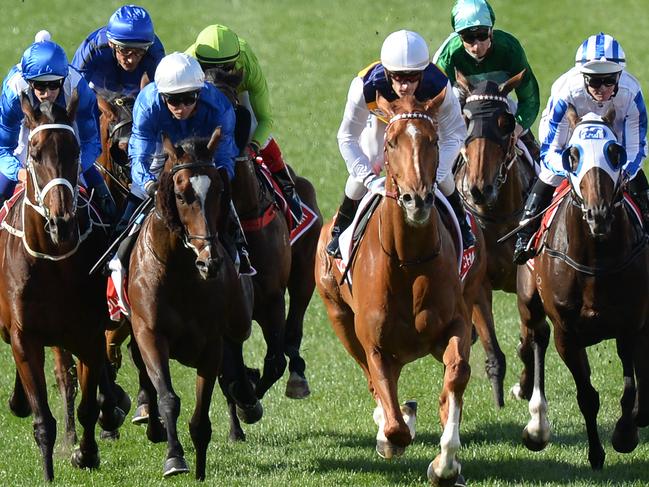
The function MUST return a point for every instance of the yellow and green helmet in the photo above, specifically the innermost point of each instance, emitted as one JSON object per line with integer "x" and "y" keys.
{"x": 216, "y": 44}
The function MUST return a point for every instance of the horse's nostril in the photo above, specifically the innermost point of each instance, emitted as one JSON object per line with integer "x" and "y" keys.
{"x": 407, "y": 198}
{"x": 430, "y": 198}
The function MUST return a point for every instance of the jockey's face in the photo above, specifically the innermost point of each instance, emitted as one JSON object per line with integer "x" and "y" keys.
{"x": 601, "y": 87}
{"x": 476, "y": 41}
{"x": 181, "y": 105}
{"x": 46, "y": 90}
{"x": 405, "y": 83}
{"x": 128, "y": 58}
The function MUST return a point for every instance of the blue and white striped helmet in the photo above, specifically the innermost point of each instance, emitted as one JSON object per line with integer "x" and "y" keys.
{"x": 600, "y": 54}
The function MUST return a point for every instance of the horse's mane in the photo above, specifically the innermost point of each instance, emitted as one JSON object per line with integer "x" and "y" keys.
{"x": 196, "y": 147}
{"x": 226, "y": 81}
{"x": 53, "y": 112}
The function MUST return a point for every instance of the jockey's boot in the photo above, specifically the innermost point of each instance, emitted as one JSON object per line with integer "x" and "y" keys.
{"x": 537, "y": 201}
{"x": 239, "y": 253}
{"x": 468, "y": 239}
{"x": 283, "y": 178}
{"x": 639, "y": 189}
{"x": 344, "y": 218}
{"x": 531, "y": 145}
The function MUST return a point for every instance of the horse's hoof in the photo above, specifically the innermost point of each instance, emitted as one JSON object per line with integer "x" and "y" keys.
{"x": 109, "y": 435}
{"x": 388, "y": 450}
{"x": 113, "y": 421}
{"x": 457, "y": 481}
{"x": 124, "y": 401}
{"x": 174, "y": 466}
{"x": 80, "y": 460}
{"x": 250, "y": 414}
{"x": 596, "y": 457}
{"x": 517, "y": 392}
{"x": 141, "y": 414}
{"x": 20, "y": 409}
{"x": 156, "y": 432}
{"x": 297, "y": 386}
{"x": 625, "y": 436}
{"x": 532, "y": 443}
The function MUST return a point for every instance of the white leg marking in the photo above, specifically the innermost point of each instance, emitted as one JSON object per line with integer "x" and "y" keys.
{"x": 449, "y": 441}
{"x": 538, "y": 426}
{"x": 379, "y": 420}
{"x": 410, "y": 417}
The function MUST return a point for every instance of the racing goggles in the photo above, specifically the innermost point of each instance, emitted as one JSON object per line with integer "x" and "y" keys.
{"x": 599, "y": 81}
{"x": 176, "y": 99}
{"x": 405, "y": 76}
{"x": 470, "y": 36}
{"x": 47, "y": 85}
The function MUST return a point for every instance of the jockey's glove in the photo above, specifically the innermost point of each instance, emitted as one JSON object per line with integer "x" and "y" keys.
{"x": 151, "y": 187}
{"x": 105, "y": 201}
{"x": 253, "y": 151}
{"x": 375, "y": 185}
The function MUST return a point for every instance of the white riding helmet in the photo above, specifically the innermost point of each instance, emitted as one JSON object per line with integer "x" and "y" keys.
{"x": 404, "y": 50}
{"x": 179, "y": 73}
{"x": 600, "y": 54}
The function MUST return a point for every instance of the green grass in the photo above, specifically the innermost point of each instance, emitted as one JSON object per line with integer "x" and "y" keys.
{"x": 310, "y": 52}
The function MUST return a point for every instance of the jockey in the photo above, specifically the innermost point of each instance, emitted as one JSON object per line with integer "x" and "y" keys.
{"x": 481, "y": 52}
{"x": 180, "y": 104}
{"x": 404, "y": 69}
{"x": 116, "y": 56}
{"x": 597, "y": 83}
{"x": 44, "y": 75}
{"x": 218, "y": 46}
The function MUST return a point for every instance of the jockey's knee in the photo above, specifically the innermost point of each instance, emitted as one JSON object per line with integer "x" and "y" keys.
{"x": 354, "y": 189}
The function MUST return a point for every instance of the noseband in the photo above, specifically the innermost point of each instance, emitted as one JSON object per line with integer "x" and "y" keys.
{"x": 396, "y": 195}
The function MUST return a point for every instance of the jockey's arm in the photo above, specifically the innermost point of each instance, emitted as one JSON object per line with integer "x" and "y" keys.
{"x": 527, "y": 93}
{"x": 142, "y": 144}
{"x": 452, "y": 132}
{"x": 257, "y": 87}
{"x": 11, "y": 117}
{"x": 635, "y": 135}
{"x": 87, "y": 123}
{"x": 226, "y": 150}
{"x": 349, "y": 133}
{"x": 554, "y": 133}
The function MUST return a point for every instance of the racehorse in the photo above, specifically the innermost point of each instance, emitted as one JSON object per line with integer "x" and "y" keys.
{"x": 186, "y": 296}
{"x": 46, "y": 296}
{"x": 279, "y": 265}
{"x": 406, "y": 300}
{"x": 493, "y": 180}
{"x": 591, "y": 279}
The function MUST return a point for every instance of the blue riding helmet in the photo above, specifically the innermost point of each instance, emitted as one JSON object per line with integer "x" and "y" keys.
{"x": 130, "y": 26}
{"x": 44, "y": 61}
{"x": 472, "y": 13}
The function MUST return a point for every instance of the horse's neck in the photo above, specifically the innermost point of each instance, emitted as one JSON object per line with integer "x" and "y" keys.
{"x": 511, "y": 196}
{"x": 158, "y": 238}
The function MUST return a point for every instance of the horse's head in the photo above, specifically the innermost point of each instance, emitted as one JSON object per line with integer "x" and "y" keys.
{"x": 190, "y": 199}
{"x": 117, "y": 121}
{"x": 593, "y": 161}
{"x": 489, "y": 147}
{"x": 412, "y": 154}
{"x": 53, "y": 165}
{"x": 226, "y": 81}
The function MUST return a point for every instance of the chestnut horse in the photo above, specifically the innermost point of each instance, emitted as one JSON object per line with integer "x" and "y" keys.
{"x": 493, "y": 180}
{"x": 407, "y": 298}
{"x": 185, "y": 294}
{"x": 46, "y": 296}
{"x": 591, "y": 279}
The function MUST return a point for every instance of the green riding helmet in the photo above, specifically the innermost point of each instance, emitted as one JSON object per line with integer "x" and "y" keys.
{"x": 472, "y": 13}
{"x": 217, "y": 44}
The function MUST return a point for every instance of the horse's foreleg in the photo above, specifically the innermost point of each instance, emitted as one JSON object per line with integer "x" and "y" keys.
{"x": 495, "y": 363}
{"x": 66, "y": 379}
{"x": 445, "y": 468}
{"x": 235, "y": 380}
{"x": 536, "y": 433}
{"x": 587, "y": 397}
{"x": 155, "y": 354}
{"x": 18, "y": 403}
{"x": 89, "y": 371}
{"x": 641, "y": 365}
{"x": 273, "y": 325}
{"x": 141, "y": 414}
{"x": 30, "y": 358}
{"x": 625, "y": 435}
{"x": 200, "y": 426}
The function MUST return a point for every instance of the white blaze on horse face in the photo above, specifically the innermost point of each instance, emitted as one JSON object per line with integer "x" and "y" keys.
{"x": 449, "y": 441}
{"x": 413, "y": 132}
{"x": 201, "y": 185}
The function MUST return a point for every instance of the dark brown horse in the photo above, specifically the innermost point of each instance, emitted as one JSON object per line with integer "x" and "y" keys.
{"x": 46, "y": 296}
{"x": 407, "y": 299}
{"x": 591, "y": 279}
{"x": 280, "y": 266}
{"x": 186, "y": 295}
{"x": 493, "y": 179}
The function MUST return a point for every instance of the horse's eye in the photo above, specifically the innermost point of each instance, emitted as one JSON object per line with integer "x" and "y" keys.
{"x": 391, "y": 144}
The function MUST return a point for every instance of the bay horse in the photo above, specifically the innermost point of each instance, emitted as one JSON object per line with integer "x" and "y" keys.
{"x": 493, "y": 179}
{"x": 46, "y": 296}
{"x": 186, "y": 296}
{"x": 406, "y": 300}
{"x": 280, "y": 266}
{"x": 591, "y": 279}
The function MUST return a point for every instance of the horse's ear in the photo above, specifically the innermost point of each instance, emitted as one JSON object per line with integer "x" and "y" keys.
{"x": 512, "y": 83}
{"x": 609, "y": 117}
{"x": 168, "y": 147}
{"x": 384, "y": 105}
{"x": 463, "y": 83}
{"x": 433, "y": 105}
{"x": 571, "y": 115}
{"x": 214, "y": 140}
{"x": 73, "y": 105}
{"x": 144, "y": 81}
{"x": 28, "y": 111}
{"x": 107, "y": 110}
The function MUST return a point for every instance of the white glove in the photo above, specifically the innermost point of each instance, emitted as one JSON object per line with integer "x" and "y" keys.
{"x": 376, "y": 185}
